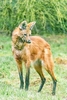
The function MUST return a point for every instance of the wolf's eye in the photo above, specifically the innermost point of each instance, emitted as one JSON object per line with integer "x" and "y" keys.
{"x": 29, "y": 34}
{"x": 25, "y": 34}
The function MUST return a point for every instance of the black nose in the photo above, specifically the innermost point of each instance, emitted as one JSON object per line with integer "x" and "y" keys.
{"x": 28, "y": 41}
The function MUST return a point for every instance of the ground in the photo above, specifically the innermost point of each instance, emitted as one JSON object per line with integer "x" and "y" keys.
{"x": 9, "y": 79}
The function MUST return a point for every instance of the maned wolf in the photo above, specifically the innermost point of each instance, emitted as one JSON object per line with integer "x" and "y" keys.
{"x": 27, "y": 49}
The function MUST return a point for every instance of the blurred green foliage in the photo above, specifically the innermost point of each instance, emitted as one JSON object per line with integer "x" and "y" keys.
{"x": 50, "y": 15}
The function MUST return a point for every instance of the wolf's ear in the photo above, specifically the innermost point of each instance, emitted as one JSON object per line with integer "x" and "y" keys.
{"x": 31, "y": 25}
{"x": 23, "y": 25}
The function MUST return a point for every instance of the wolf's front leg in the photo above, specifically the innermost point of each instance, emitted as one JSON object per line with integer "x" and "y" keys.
{"x": 19, "y": 65}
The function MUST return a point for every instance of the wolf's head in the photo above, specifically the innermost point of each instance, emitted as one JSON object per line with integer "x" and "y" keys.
{"x": 21, "y": 35}
{"x": 25, "y": 31}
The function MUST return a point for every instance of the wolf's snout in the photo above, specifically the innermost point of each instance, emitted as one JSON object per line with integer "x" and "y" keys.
{"x": 28, "y": 41}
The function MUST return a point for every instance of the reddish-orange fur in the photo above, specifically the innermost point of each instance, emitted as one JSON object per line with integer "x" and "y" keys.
{"x": 33, "y": 49}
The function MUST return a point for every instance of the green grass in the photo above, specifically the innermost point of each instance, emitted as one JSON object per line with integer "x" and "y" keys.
{"x": 9, "y": 79}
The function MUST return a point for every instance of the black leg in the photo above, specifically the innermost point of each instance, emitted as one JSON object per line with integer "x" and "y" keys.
{"x": 21, "y": 80}
{"x": 38, "y": 68}
{"x": 54, "y": 87}
{"x": 27, "y": 78}
{"x": 20, "y": 71}
{"x": 42, "y": 84}
{"x": 54, "y": 81}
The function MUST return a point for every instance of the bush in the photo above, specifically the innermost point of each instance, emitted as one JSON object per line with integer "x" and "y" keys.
{"x": 50, "y": 15}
